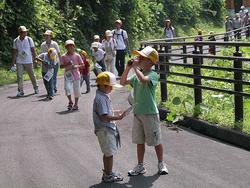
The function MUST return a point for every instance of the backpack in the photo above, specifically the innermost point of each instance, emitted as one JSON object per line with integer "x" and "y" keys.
{"x": 16, "y": 42}
{"x": 119, "y": 34}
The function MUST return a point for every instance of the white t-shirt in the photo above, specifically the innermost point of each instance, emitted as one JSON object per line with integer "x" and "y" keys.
{"x": 109, "y": 46}
{"x": 45, "y": 46}
{"x": 120, "y": 36}
{"x": 24, "y": 55}
{"x": 99, "y": 54}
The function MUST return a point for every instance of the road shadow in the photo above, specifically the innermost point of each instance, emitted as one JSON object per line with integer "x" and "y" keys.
{"x": 134, "y": 181}
{"x": 15, "y": 97}
{"x": 64, "y": 112}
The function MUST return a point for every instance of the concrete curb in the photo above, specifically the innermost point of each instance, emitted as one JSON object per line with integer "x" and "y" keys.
{"x": 228, "y": 135}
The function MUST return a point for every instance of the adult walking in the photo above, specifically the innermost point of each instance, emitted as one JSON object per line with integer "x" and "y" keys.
{"x": 109, "y": 46}
{"x": 23, "y": 55}
{"x": 169, "y": 32}
{"x": 49, "y": 43}
{"x": 237, "y": 24}
{"x": 121, "y": 37}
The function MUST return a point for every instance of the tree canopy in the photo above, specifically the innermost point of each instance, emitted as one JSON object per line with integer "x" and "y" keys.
{"x": 80, "y": 20}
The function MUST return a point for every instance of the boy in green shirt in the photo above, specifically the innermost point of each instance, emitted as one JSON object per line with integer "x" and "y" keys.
{"x": 146, "y": 128}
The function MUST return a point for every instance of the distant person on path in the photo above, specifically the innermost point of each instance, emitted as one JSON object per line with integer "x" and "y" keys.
{"x": 85, "y": 70}
{"x": 246, "y": 23}
{"x": 71, "y": 62}
{"x": 98, "y": 58}
{"x": 23, "y": 56}
{"x": 169, "y": 32}
{"x": 211, "y": 48}
{"x": 121, "y": 37}
{"x": 49, "y": 62}
{"x": 198, "y": 38}
{"x": 109, "y": 46}
{"x": 229, "y": 28}
{"x": 146, "y": 128}
{"x": 105, "y": 127}
{"x": 49, "y": 43}
{"x": 237, "y": 23}
{"x": 242, "y": 12}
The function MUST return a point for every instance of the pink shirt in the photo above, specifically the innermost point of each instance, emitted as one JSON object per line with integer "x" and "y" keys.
{"x": 76, "y": 59}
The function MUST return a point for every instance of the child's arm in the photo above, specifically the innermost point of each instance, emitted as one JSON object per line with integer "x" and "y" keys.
{"x": 109, "y": 118}
{"x": 124, "y": 78}
{"x": 140, "y": 76}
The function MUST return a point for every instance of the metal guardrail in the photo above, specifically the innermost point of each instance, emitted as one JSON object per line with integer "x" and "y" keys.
{"x": 197, "y": 55}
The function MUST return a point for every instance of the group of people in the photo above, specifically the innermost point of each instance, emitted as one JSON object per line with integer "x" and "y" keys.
{"x": 106, "y": 54}
{"x": 241, "y": 19}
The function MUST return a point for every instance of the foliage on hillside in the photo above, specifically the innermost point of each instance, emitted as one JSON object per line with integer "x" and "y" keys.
{"x": 80, "y": 20}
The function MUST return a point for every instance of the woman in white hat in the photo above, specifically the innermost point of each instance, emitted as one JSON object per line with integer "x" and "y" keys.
{"x": 109, "y": 46}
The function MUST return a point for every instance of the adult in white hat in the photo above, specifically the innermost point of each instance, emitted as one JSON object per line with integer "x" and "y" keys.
{"x": 109, "y": 45}
{"x": 49, "y": 43}
{"x": 23, "y": 55}
{"x": 121, "y": 37}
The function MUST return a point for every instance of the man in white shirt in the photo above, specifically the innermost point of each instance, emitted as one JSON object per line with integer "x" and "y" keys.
{"x": 23, "y": 55}
{"x": 49, "y": 43}
{"x": 122, "y": 47}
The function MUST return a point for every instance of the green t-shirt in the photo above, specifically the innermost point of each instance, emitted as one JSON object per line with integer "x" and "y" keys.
{"x": 144, "y": 94}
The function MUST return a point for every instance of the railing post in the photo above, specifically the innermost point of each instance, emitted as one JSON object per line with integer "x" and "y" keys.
{"x": 163, "y": 83}
{"x": 238, "y": 99}
{"x": 197, "y": 81}
{"x": 185, "y": 52}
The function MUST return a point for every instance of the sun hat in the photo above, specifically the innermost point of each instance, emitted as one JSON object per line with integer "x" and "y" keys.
{"x": 69, "y": 42}
{"x": 118, "y": 21}
{"x": 108, "y": 79}
{"x": 95, "y": 45}
{"x": 96, "y": 37}
{"x": 22, "y": 29}
{"x": 108, "y": 33}
{"x": 149, "y": 53}
{"x": 48, "y": 32}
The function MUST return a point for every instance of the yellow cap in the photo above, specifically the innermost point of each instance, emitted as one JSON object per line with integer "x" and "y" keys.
{"x": 107, "y": 79}
{"x": 52, "y": 53}
{"x": 149, "y": 53}
{"x": 84, "y": 53}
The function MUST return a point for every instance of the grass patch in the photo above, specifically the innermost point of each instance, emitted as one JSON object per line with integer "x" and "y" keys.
{"x": 216, "y": 107}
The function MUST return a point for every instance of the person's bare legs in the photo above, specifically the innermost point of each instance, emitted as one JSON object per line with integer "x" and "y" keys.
{"x": 140, "y": 153}
{"x": 108, "y": 164}
{"x": 159, "y": 152}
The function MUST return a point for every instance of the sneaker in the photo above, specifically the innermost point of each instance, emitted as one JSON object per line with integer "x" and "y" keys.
{"x": 20, "y": 94}
{"x": 75, "y": 107}
{"x": 70, "y": 106}
{"x": 36, "y": 91}
{"x": 50, "y": 97}
{"x": 114, "y": 177}
{"x": 162, "y": 168}
{"x": 139, "y": 169}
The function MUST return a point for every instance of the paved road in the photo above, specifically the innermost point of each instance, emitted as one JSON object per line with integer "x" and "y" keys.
{"x": 42, "y": 146}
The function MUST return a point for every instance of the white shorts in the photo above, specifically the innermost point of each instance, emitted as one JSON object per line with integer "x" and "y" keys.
{"x": 147, "y": 129}
{"x": 107, "y": 142}
{"x": 69, "y": 86}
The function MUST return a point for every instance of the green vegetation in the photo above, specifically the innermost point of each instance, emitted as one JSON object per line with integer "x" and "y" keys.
{"x": 216, "y": 108}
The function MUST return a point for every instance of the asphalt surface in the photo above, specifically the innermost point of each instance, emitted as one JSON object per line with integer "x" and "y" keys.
{"x": 43, "y": 146}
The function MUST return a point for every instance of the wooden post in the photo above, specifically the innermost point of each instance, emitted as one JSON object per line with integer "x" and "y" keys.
{"x": 197, "y": 81}
{"x": 184, "y": 52}
{"x": 238, "y": 100}
{"x": 163, "y": 84}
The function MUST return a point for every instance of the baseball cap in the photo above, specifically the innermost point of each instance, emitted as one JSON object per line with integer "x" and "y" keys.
{"x": 149, "y": 53}
{"x": 107, "y": 78}
{"x": 96, "y": 37}
{"x": 108, "y": 33}
{"x": 22, "y": 29}
{"x": 52, "y": 53}
{"x": 95, "y": 45}
{"x": 118, "y": 21}
{"x": 68, "y": 42}
{"x": 48, "y": 32}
